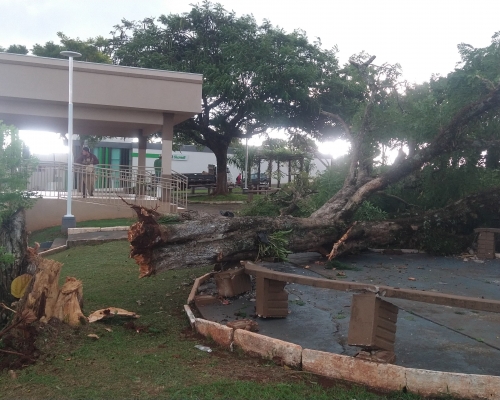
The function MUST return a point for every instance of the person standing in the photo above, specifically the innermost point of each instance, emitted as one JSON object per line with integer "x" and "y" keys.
{"x": 156, "y": 185}
{"x": 238, "y": 180}
{"x": 157, "y": 165}
{"x": 87, "y": 174}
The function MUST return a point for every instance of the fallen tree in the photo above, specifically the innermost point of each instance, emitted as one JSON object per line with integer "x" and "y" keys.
{"x": 211, "y": 240}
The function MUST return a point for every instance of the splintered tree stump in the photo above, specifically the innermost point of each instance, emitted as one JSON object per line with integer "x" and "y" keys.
{"x": 45, "y": 300}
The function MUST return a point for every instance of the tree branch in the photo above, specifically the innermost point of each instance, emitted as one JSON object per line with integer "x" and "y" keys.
{"x": 341, "y": 121}
{"x": 341, "y": 207}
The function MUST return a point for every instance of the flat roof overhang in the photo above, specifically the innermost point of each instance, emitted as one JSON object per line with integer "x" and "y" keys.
{"x": 108, "y": 100}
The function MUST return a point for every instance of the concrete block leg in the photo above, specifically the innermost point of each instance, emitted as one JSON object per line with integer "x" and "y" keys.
{"x": 272, "y": 298}
{"x": 373, "y": 323}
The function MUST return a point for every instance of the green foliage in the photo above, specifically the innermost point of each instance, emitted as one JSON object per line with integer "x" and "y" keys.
{"x": 16, "y": 167}
{"x": 368, "y": 212}
{"x": 330, "y": 182}
{"x": 169, "y": 219}
{"x": 447, "y": 179}
{"x": 264, "y": 206}
{"x": 92, "y": 49}
{"x": 301, "y": 197}
{"x": 5, "y": 258}
{"x": 255, "y": 77}
{"x": 15, "y": 49}
{"x": 276, "y": 246}
{"x": 437, "y": 237}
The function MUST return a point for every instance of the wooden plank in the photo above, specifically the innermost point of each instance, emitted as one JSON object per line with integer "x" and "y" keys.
{"x": 470, "y": 303}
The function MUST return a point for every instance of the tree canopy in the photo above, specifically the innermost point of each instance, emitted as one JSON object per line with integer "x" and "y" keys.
{"x": 255, "y": 77}
{"x": 15, "y": 49}
{"x": 92, "y": 49}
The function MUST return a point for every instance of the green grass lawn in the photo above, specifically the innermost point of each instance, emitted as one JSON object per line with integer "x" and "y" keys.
{"x": 152, "y": 356}
{"x": 212, "y": 198}
{"x": 203, "y": 196}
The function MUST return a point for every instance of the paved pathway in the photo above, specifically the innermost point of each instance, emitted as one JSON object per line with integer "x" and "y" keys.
{"x": 428, "y": 336}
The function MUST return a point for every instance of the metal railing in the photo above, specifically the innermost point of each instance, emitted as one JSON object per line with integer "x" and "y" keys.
{"x": 109, "y": 184}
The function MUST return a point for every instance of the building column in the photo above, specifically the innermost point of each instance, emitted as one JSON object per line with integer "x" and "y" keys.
{"x": 141, "y": 163}
{"x": 167, "y": 135}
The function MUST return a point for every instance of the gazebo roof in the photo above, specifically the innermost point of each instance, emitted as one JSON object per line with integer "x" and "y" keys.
{"x": 109, "y": 100}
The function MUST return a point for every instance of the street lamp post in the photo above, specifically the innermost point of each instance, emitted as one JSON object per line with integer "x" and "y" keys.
{"x": 246, "y": 168}
{"x": 69, "y": 221}
{"x": 245, "y": 189}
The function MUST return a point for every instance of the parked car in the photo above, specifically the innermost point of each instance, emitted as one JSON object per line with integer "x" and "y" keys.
{"x": 206, "y": 178}
{"x": 263, "y": 181}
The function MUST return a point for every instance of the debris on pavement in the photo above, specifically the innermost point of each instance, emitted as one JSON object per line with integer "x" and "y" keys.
{"x": 246, "y": 324}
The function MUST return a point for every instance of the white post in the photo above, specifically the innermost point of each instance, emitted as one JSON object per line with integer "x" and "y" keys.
{"x": 69, "y": 220}
{"x": 246, "y": 169}
{"x": 246, "y": 160}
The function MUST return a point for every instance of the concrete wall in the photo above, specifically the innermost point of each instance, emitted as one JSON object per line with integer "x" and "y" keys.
{"x": 108, "y": 99}
{"x": 49, "y": 212}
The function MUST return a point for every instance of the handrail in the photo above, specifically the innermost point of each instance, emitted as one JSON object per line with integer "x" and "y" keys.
{"x": 108, "y": 184}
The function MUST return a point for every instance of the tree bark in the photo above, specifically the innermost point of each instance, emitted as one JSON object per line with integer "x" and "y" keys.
{"x": 221, "y": 157}
{"x": 213, "y": 240}
{"x": 217, "y": 240}
{"x": 13, "y": 240}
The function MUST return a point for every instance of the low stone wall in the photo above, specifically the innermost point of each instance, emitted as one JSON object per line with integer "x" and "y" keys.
{"x": 385, "y": 377}
{"x": 49, "y": 212}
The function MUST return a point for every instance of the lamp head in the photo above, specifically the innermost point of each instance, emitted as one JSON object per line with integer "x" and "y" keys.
{"x": 67, "y": 53}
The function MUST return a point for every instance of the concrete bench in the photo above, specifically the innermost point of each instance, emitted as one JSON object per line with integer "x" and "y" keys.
{"x": 208, "y": 187}
{"x": 486, "y": 242}
{"x": 373, "y": 320}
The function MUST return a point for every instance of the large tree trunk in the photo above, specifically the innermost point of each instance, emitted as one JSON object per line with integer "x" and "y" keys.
{"x": 13, "y": 240}
{"x": 217, "y": 240}
{"x": 220, "y": 240}
{"x": 220, "y": 151}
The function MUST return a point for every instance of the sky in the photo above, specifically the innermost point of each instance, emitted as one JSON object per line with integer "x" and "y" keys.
{"x": 421, "y": 35}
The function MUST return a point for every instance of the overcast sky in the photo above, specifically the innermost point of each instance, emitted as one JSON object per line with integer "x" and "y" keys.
{"x": 420, "y": 35}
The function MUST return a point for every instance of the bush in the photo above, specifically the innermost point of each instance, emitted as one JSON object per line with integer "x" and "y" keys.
{"x": 261, "y": 206}
{"x": 368, "y": 212}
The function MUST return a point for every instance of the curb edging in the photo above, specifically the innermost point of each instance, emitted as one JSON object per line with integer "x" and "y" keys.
{"x": 386, "y": 377}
